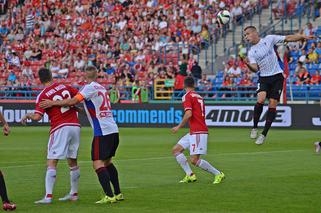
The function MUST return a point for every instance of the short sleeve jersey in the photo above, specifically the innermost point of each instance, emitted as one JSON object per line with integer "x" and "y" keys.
{"x": 264, "y": 55}
{"x": 194, "y": 102}
{"x": 59, "y": 116}
{"x": 98, "y": 109}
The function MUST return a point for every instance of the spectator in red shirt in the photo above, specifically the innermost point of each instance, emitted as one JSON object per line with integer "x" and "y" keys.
{"x": 316, "y": 78}
{"x": 245, "y": 85}
{"x": 227, "y": 85}
{"x": 179, "y": 84}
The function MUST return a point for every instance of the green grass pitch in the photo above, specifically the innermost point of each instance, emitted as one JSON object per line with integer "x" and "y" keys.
{"x": 283, "y": 175}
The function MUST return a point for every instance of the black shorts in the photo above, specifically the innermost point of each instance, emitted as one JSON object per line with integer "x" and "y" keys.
{"x": 272, "y": 85}
{"x": 104, "y": 147}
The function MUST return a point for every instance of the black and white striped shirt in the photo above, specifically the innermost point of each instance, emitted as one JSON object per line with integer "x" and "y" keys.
{"x": 30, "y": 21}
{"x": 264, "y": 55}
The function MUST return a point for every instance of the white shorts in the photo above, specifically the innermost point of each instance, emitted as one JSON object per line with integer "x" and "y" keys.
{"x": 64, "y": 143}
{"x": 197, "y": 143}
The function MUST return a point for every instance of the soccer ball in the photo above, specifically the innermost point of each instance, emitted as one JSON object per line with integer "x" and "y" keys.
{"x": 223, "y": 17}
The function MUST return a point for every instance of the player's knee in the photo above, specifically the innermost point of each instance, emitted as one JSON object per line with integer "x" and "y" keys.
{"x": 176, "y": 151}
{"x": 52, "y": 164}
{"x": 194, "y": 160}
{"x": 72, "y": 162}
{"x": 273, "y": 103}
{"x": 108, "y": 162}
{"x": 261, "y": 100}
{"x": 98, "y": 164}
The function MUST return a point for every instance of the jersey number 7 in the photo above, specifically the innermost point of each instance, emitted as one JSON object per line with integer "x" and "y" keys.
{"x": 201, "y": 101}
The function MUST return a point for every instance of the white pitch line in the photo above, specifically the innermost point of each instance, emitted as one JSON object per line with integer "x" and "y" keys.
{"x": 160, "y": 158}
{"x": 255, "y": 153}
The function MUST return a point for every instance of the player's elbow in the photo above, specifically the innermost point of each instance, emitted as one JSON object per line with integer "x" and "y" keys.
{"x": 255, "y": 67}
{"x": 188, "y": 114}
{"x": 37, "y": 117}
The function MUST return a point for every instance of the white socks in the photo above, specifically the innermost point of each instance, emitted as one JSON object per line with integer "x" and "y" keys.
{"x": 182, "y": 160}
{"x": 203, "y": 164}
{"x": 74, "y": 179}
{"x": 50, "y": 181}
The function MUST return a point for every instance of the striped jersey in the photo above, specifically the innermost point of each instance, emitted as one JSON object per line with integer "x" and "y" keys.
{"x": 98, "y": 109}
{"x": 30, "y": 21}
{"x": 264, "y": 55}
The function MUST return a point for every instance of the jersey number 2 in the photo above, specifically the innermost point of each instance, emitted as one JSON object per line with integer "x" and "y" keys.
{"x": 65, "y": 95}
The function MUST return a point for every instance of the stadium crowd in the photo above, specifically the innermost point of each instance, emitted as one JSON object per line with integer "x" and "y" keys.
{"x": 123, "y": 39}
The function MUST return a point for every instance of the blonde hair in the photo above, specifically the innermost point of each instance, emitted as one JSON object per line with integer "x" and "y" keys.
{"x": 91, "y": 72}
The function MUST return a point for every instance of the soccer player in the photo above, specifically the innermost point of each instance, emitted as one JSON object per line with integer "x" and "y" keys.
{"x": 106, "y": 138}
{"x": 7, "y": 206}
{"x": 263, "y": 59}
{"x": 64, "y": 134}
{"x": 196, "y": 139}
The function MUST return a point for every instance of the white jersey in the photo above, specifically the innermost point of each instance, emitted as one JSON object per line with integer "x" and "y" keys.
{"x": 98, "y": 109}
{"x": 264, "y": 55}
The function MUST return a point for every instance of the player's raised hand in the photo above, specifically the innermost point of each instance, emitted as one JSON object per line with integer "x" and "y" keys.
{"x": 6, "y": 129}
{"x": 46, "y": 103}
{"x": 175, "y": 129}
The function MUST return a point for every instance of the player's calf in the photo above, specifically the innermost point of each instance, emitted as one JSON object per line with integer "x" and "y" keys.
{"x": 114, "y": 180}
{"x": 103, "y": 177}
{"x": 269, "y": 120}
{"x": 206, "y": 166}
{"x": 50, "y": 180}
{"x": 74, "y": 181}
{"x": 181, "y": 159}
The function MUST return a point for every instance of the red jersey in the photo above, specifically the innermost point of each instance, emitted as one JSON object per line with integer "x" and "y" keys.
{"x": 194, "y": 102}
{"x": 59, "y": 116}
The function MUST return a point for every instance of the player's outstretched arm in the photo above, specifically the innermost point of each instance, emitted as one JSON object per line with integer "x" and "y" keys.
{"x": 6, "y": 128}
{"x": 298, "y": 37}
{"x": 66, "y": 102}
{"x": 186, "y": 117}
{"x": 31, "y": 116}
